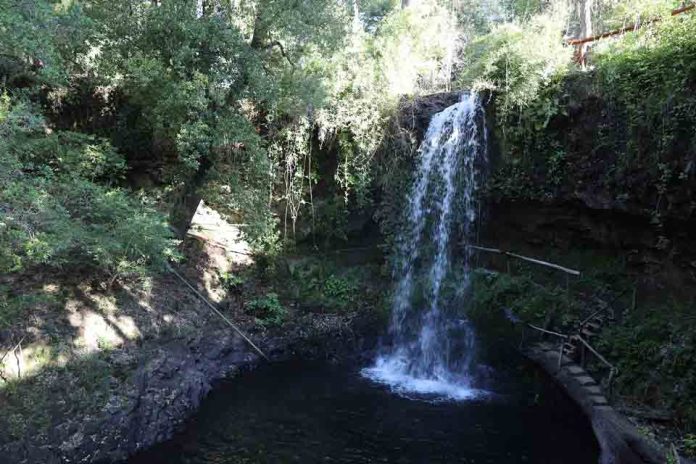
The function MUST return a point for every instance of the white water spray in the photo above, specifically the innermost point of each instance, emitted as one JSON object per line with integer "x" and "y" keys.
{"x": 431, "y": 353}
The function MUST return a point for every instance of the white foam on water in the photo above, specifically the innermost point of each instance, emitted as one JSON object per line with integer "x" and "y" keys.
{"x": 393, "y": 373}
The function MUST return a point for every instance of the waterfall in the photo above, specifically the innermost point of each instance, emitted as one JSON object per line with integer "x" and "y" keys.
{"x": 431, "y": 351}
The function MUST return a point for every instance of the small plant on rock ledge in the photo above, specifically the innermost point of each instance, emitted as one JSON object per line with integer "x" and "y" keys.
{"x": 689, "y": 444}
{"x": 267, "y": 310}
{"x": 231, "y": 281}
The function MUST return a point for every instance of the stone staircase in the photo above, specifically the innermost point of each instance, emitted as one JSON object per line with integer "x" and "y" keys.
{"x": 619, "y": 440}
{"x": 585, "y": 384}
{"x": 588, "y": 329}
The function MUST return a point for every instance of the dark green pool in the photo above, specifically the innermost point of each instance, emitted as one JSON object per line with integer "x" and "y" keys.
{"x": 302, "y": 412}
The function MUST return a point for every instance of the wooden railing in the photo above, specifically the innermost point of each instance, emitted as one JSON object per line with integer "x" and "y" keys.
{"x": 631, "y": 28}
{"x": 580, "y": 43}
{"x": 545, "y": 331}
{"x": 525, "y": 258}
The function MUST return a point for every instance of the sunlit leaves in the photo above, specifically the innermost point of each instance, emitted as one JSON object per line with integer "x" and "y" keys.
{"x": 516, "y": 60}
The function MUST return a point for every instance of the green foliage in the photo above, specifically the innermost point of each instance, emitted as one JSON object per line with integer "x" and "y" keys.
{"x": 331, "y": 219}
{"x": 267, "y": 310}
{"x": 40, "y": 40}
{"x": 531, "y": 302}
{"x": 53, "y": 212}
{"x": 226, "y": 103}
{"x": 409, "y": 53}
{"x": 650, "y": 77}
{"x": 653, "y": 349}
{"x": 530, "y": 147}
{"x": 516, "y": 60}
{"x": 324, "y": 285}
{"x": 642, "y": 140}
{"x": 340, "y": 289}
{"x": 13, "y": 307}
{"x": 689, "y": 444}
{"x": 652, "y": 346}
{"x": 333, "y": 292}
{"x": 231, "y": 281}
{"x": 615, "y": 14}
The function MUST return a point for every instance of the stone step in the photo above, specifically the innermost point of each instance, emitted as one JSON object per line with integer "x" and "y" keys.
{"x": 552, "y": 355}
{"x": 585, "y": 380}
{"x": 569, "y": 350}
{"x": 599, "y": 400}
{"x": 544, "y": 346}
{"x": 594, "y": 389}
{"x": 593, "y": 326}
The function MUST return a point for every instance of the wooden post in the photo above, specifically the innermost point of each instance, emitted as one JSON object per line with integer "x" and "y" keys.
{"x": 19, "y": 360}
{"x": 610, "y": 383}
{"x": 560, "y": 354}
{"x": 567, "y": 293}
{"x": 522, "y": 340}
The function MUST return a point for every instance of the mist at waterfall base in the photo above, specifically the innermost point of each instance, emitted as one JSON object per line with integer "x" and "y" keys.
{"x": 432, "y": 352}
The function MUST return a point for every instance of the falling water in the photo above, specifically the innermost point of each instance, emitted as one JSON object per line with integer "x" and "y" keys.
{"x": 432, "y": 352}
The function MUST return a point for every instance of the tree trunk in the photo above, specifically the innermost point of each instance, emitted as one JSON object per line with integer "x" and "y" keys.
{"x": 259, "y": 36}
{"x": 584, "y": 9}
{"x": 186, "y": 201}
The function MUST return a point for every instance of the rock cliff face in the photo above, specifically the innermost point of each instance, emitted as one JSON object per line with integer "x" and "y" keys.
{"x": 592, "y": 177}
{"x": 628, "y": 219}
{"x": 589, "y": 147}
{"x": 656, "y": 259}
{"x": 414, "y": 115}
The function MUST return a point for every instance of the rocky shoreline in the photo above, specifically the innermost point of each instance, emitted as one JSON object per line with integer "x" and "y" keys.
{"x": 172, "y": 378}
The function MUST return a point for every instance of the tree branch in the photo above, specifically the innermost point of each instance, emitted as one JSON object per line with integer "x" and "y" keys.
{"x": 276, "y": 43}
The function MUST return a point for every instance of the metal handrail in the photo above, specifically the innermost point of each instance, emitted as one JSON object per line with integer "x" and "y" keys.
{"x": 550, "y": 332}
{"x": 525, "y": 258}
{"x": 601, "y": 310}
{"x": 599, "y": 356}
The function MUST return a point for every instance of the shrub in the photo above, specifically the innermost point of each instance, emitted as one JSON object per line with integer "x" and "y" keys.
{"x": 650, "y": 78}
{"x": 517, "y": 60}
{"x": 53, "y": 212}
{"x": 689, "y": 444}
{"x": 654, "y": 350}
{"x": 520, "y": 295}
{"x": 326, "y": 287}
{"x": 267, "y": 309}
{"x": 231, "y": 281}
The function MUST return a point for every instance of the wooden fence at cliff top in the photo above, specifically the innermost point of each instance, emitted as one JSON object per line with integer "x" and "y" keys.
{"x": 581, "y": 42}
